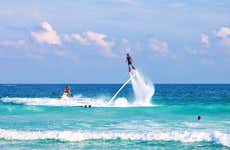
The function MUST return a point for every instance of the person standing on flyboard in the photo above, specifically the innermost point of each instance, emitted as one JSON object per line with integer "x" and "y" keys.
{"x": 129, "y": 61}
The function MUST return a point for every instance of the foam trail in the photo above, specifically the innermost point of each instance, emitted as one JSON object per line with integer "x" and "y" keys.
{"x": 115, "y": 95}
{"x": 66, "y": 102}
{"x": 57, "y": 102}
{"x": 143, "y": 89}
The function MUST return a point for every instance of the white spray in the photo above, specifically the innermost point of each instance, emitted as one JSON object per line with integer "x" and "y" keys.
{"x": 143, "y": 89}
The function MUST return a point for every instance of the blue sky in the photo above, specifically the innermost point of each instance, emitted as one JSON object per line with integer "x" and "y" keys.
{"x": 82, "y": 41}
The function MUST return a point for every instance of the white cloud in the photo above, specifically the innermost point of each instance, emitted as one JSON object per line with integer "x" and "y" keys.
{"x": 90, "y": 37}
{"x": 223, "y": 32}
{"x": 79, "y": 38}
{"x": 157, "y": 46}
{"x": 66, "y": 37}
{"x": 205, "y": 39}
{"x": 99, "y": 39}
{"x": 48, "y": 35}
{"x": 160, "y": 47}
{"x": 16, "y": 44}
{"x": 124, "y": 41}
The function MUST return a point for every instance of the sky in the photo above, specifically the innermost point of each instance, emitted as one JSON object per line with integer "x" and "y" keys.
{"x": 85, "y": 41}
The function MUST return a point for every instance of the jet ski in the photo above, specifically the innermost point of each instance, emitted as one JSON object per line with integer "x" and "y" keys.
{"x": 66, "y": 95}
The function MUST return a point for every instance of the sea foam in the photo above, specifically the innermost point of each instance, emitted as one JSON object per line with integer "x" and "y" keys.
{"x": 75, "y": 136}
{"x": 43, "y": 101}
{"x": 70, "y": 102}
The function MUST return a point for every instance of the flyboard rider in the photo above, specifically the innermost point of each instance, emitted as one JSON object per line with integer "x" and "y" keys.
{"x": 129, "y": 61}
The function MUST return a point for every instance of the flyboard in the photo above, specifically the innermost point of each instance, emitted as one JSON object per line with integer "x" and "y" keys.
{"x": 66, "y": 96}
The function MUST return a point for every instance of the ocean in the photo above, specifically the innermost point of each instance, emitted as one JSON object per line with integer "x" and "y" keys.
{"x": 33, "y": 116}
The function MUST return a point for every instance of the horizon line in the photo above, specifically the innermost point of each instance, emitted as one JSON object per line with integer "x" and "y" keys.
{"x": 103, "y": 83}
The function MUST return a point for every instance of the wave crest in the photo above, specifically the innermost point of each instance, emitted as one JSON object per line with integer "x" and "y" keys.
{"x": 75, "y": 136}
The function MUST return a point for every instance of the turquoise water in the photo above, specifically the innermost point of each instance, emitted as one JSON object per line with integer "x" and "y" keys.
{"x": 34, "y": 117}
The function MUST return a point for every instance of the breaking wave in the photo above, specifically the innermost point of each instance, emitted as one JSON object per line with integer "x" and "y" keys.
{"x": 75, "y": 136}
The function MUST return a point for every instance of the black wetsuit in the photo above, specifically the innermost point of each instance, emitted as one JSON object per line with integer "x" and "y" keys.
{"x": 129, "y": 59}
